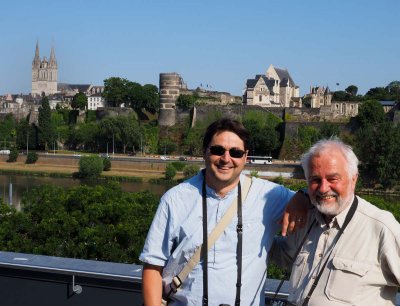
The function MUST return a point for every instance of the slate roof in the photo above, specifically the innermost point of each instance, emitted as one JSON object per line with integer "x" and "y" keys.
{"x": 387, "y": 103}
{"x": 285, "y": 77}
{"x": 71, "y": 87}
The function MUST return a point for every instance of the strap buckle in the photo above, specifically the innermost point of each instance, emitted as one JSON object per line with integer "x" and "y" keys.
{"x": 239, "y": 228}
{"x": 175, "y": 284}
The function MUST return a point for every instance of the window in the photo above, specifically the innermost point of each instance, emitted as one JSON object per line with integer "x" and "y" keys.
{"x": 260, "y": 98}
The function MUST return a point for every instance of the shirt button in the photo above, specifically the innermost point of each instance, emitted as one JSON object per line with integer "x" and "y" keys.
{"x": 319, "y": 255}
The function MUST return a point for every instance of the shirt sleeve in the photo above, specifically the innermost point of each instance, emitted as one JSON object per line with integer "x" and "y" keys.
{"x": 280, "y": 196}
{"x": 390, "y": 255}
{"x": 158, "y": 243}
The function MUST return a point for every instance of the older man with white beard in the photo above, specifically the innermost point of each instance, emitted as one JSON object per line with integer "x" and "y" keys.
{"x": 349, "y": 251}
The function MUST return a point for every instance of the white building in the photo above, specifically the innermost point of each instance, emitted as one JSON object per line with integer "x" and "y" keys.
{"x": 95, "y": 101}
{"x": 274, "y": 89}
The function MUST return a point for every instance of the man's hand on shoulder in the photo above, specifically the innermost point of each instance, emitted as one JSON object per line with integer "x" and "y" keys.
{"x": 296, "y": 212}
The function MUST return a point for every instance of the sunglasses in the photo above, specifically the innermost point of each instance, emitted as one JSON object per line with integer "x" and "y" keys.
{"x": 220, "y": 150}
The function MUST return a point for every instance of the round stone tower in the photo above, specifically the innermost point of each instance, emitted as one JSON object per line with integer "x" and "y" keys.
{"x": 170, "y": 85}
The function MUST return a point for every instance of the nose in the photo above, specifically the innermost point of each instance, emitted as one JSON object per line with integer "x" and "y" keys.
{"x": 226, "y": 155}
{"x": 324, "y": 186}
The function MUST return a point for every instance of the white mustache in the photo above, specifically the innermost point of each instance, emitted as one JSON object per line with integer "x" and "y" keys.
{"x": 327, "y": 194}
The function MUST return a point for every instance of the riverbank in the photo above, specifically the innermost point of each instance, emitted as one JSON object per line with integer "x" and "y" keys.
{"x": 66, "y": 168}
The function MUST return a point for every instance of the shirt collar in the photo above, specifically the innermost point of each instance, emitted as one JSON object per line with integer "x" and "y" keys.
{"x": 337, "y": 220}
{"x": 211, "y": 192}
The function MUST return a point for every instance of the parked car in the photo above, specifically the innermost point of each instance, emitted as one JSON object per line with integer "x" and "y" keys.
{"x": 164, "y": 157}
{"x": 182, "y": 158}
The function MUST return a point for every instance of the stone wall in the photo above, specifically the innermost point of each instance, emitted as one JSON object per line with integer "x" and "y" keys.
{"x": 103, "y": 112}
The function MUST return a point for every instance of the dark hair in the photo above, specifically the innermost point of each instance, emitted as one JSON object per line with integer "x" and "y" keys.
{"x": 226, "y": 124}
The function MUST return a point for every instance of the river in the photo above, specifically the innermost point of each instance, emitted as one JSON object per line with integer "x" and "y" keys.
{"x": 19, "y": 184}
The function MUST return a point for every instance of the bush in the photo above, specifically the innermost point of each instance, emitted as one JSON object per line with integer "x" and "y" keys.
{"x": 178, "y": 165}
{"x": 170, "y": 172}
{"x": 190, "y": 170}
{"x": 31, "y": 158}
{"x": 12, "y": 157}
{"x": 106, "y": 164}
{"x": 90, "y": 166}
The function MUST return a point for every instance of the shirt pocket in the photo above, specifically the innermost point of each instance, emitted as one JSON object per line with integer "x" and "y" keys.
{"x": 252, "y": 236}
{"x": 298, "y": 269}
{"x": 345, "y": 279}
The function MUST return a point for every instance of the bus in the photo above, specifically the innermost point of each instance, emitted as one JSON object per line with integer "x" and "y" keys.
{"x": 260, "y": 160}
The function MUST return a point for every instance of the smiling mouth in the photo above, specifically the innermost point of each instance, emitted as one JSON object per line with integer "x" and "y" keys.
{"x": 224, "y": 168}
{"x": 327, "y": 197}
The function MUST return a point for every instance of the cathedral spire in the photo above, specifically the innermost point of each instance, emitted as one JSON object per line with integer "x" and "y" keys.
{"x": 53, "y": 61}
{"x": 36, "y": 59}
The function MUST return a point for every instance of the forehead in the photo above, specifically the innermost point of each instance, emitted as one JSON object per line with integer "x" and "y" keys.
{"x": 228, "y": 139}
{"x": 328, "y": 163}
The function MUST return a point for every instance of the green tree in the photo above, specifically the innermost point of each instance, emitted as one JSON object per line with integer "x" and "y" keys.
{"x": 31, "y": 158}
{"x": 90, "y": 166}
{"x": 193, "y": 142}
{"x": 341, "y": 96}
{"x": 98, "y": 223}
{"x": 393, "y": 89}
{"x": 328, "y": 130}
{"x": 85, "y": 135}
{"x": 151, "y": 100}
{"x": 186, "y": 102}
{"x": 46, "y": 129}
{"x": 119, "y": 91}
{"x": 151, "y": 136}
{"x": 79, "y": 101}
{"x": 109, "y": 132}
{"x": 106, "y": 164}
{"x": 167, "y": 146}
{"x": 307, "y": 136}
{"x": 377, "y": 147}
{"x": 134, "y": 95}
{"x": 291, "y": 148}
{"x": 129, "y": 132}
{"x": 7, "y": 130}
{"x": 370, "y": 112}
{"x": 264, "y": 137}
{"x": 115, "y": 91}
{"x": 190, "y": 170}
{"x": 170, "y": 172}
{"x": 377, "y": 93}
{"x": 352, "y": 90}
{"x": 12, "y": 157}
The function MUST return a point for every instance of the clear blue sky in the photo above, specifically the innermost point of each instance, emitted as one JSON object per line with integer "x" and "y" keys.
{"x": 217, "y": 42}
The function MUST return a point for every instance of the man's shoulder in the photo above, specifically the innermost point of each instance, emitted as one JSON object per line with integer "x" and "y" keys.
{"x": 191, "y": 185}
{"x": 379, "y": 217}
{"x": 263, "y": 183}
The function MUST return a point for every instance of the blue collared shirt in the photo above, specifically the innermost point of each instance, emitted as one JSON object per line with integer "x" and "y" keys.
{"x": 177, "y": 226}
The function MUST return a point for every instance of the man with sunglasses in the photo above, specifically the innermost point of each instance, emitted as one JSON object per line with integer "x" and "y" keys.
{"x": 178, "y": 226}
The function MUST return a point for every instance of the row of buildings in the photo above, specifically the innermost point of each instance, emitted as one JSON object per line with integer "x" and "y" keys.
{"x": 274, "y": 89}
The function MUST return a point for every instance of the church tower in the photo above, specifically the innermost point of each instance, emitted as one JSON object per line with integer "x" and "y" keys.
{"x": 44, "y": 74}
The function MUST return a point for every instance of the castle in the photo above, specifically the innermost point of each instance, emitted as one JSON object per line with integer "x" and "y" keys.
{"x": 44, "y": 74}
{"x": 274, "y": 89}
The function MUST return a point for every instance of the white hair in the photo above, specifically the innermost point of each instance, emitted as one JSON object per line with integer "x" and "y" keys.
{"x": 331, "y": 144}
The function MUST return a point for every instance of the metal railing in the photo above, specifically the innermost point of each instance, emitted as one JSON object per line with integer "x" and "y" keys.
{"x": 27, "y": 279}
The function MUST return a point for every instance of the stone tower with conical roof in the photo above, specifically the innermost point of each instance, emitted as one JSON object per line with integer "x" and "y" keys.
{"x": 44, "y": 74}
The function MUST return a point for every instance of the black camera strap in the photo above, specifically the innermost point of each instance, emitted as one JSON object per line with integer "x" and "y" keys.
{"x": 239, "y": 248}
{"x": 347, "y": 220}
